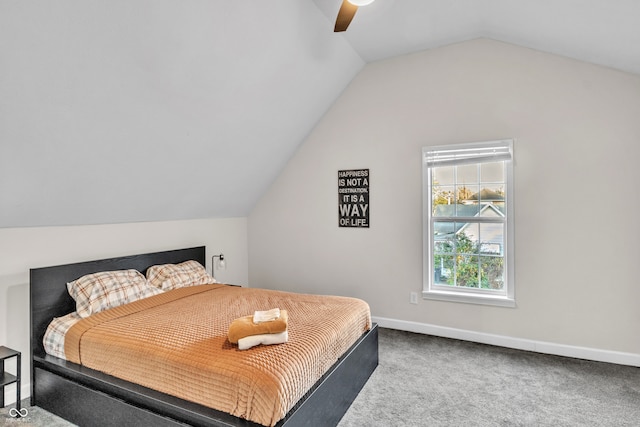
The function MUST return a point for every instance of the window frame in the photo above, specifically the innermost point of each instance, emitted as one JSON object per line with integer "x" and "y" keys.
{"x": 469, "y": 153}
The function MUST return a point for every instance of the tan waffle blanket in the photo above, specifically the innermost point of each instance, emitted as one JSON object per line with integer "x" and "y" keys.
{"x": 177, "y": 343}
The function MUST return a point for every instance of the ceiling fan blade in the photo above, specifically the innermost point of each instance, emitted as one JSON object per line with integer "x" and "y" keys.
{"x": 345, "y": 15}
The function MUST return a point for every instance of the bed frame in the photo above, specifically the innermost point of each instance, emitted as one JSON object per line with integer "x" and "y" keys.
{"x": 87, "y": 397}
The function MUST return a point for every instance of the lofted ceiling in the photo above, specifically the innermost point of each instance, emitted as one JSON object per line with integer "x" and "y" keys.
{"x": 604, "y": 32}
{"x": 147, "y": 110}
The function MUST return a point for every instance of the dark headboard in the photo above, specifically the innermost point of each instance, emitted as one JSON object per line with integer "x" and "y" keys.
{"x": 48, "y": 296}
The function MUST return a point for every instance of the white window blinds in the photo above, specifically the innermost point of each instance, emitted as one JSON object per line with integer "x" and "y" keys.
{"x": 447, "y": 155}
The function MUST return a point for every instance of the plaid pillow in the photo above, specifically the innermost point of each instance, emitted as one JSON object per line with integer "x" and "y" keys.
{"x": 173, "y": 276}
{"x": 54, "y": 336}
{"x": 96, "y": 292}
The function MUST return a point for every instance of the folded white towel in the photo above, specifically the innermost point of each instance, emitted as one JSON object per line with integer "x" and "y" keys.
{"x": 266, "y": 339}
{"x": 266, "y": 316}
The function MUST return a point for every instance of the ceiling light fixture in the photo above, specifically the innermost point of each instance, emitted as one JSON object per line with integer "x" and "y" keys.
{"x": 360, "y": 2}
{"x": 347, "y": 12}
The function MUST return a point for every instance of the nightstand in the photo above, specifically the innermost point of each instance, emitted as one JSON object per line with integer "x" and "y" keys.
{"x": 6, "y": 378}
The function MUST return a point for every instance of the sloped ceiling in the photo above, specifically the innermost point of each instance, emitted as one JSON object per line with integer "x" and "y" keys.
{"x": 146, "y": 110}
{"x": 604, "y": 32}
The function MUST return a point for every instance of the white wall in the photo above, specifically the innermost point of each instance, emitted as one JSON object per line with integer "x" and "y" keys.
{"x": 577, "y": 186}
{"x": 25, "y": 248}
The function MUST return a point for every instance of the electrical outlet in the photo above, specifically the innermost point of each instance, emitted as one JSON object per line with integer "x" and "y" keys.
{"x": 413, "y": 298}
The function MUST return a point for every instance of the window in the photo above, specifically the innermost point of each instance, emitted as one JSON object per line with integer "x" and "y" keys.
{"x": 468, "y": 223}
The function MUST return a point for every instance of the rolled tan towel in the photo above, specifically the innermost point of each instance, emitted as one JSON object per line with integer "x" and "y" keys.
{"x": 244, "y": 327}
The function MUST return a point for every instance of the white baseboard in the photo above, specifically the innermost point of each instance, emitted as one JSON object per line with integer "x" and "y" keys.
{"x": 586, "y": 353}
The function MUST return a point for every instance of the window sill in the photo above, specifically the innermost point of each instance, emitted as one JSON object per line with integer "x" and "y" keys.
{"x": 470, "y": 298}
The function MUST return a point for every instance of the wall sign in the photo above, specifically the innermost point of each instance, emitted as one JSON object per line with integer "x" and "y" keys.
{"x": 353, "y": 198}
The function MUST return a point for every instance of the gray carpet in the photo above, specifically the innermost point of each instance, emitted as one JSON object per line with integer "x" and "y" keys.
{"x": 430, "y": 381}
{"x": 35, "y": 417}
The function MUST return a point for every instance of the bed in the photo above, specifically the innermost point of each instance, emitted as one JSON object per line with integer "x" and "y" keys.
{"x": 85, "y": 396}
